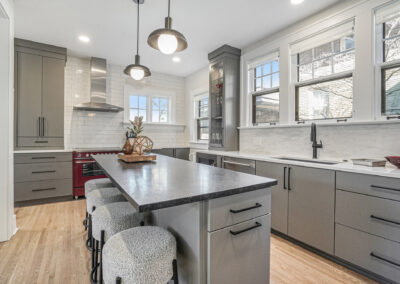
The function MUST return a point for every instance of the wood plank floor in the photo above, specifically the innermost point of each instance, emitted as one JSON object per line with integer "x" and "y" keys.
{"x": 49, "y": 248}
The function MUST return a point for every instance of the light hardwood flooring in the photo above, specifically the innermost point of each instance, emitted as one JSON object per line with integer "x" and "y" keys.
{"x": 49, "y": 247}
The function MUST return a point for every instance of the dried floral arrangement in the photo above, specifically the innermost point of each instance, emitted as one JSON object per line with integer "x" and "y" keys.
{"x": 136, "y": 127}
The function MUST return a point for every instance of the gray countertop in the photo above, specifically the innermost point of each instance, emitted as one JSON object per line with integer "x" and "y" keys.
{"x": 169, "y": 182}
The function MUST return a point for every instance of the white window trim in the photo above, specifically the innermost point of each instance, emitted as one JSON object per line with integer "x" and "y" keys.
{"x": 150, "y": 93}
{"x": 196, "y": 100}
{"x": 251, "y": 64}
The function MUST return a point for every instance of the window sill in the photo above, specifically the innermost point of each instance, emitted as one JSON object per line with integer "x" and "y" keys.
{"x": 307, "y": 124}
{"x": 203, "y": 142}
{"x": 154, "y": 125}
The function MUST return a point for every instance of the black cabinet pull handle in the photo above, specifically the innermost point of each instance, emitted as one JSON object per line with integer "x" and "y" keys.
{"x": 384, "y": 259}
{"x": 385, "y": 220}
{"x": 386, "y": 188}
{"x": 38, "y": 158}
{"x": 258, "y": 205}
{"x": 41, "y": 141}
{"x": 42, "y": 172}
{"x": 289, "y": 171}
{"x": 43, "y": 189}
{"x": 284, "y": 178}
{"x": 245, "y": 230}
{"x": 39, "y": 127}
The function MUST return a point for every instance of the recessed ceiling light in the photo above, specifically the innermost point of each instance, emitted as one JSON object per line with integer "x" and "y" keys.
{"x": 84, "y": 38}
{"x": 176, "y": 59}
{"x": 296, "y": 2}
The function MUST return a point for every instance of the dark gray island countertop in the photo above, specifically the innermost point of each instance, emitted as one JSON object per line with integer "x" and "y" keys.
{"x": 169, "y": 182}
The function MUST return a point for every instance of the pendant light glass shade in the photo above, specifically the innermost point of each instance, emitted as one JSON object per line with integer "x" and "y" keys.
{"x": 167, "y": 40}
{"x": 137, "y": 71}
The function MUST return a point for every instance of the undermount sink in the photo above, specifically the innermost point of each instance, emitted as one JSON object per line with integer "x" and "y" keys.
{"x": 324, "y": 162}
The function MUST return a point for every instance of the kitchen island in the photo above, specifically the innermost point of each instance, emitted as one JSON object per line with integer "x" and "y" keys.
{"x": 220, "y": 218}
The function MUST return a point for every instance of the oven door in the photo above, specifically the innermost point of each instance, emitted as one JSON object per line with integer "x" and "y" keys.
{"x": 85, "y": 170}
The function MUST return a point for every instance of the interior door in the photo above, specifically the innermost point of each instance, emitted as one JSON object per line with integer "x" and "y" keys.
{"x": 279, "y": 193}
{"x": 29, "y": 94}
{"x": 312, "y": 206}
{"x": 53, "y": 97}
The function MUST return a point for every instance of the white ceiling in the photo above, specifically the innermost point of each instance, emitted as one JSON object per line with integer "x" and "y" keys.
{"x": 111, "y": 25}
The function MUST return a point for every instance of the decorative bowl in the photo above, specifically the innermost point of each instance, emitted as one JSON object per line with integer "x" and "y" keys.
{"x": 394, "y": 160}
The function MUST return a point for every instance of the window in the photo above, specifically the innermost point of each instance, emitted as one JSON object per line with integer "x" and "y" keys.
{"x": 159, "y": 109}
{"x": 202, "y": 119}
{"x": 137, "y": 107}
{"x": 388, "y": 41}
{"x": 265, "y": 89}
{"x": 324, "y": 67}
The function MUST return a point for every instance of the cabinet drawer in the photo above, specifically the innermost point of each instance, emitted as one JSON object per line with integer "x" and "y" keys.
{"x": 373, "y": 215}
{"x": 239, "y": 165}
{"x": 40, "y": 142}
{"x": 240, "y": 258}
{"x": 42, "y": 171}
{"x": 373, "y": 253}
{"x": 23, "y": 158}
{"x": 368, "y": 184}
{"x": 42, "y": 189}
{"x": 227, "y": 211}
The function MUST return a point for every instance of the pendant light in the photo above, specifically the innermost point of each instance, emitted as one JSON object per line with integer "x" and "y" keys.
{"x": 137, "y": 71}
{"x": 167, "y": 40}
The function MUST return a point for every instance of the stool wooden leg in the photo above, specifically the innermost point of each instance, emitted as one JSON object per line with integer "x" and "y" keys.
{"x": 101, "y": 256}
{"x": 175, "y": 270}
{"x": 96, "y": 260}
{"x": 118, "y": 280}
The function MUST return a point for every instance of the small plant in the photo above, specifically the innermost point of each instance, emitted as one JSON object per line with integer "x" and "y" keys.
{"x": 137, "y": 127}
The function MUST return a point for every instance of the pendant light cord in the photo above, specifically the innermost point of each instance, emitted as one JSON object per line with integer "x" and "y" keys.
{"x": 137, "y": 37}
{"x": 169, "y": 5}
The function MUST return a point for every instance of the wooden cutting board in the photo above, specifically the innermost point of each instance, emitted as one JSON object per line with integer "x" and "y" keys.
{"x": 135, "y": 158}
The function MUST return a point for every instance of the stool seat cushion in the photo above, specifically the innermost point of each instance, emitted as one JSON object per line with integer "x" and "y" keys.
{"x": 93, "y": 184}
{"x": 141, "y": 255}
{"x": 114, "y": 218}
{"x": 103, "y": 196}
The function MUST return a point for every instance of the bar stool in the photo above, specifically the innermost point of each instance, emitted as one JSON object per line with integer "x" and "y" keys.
{"x": 91, "y": 185}
{"x": 107, "y": 220}
{"x": 141, "y": 255}
{"x": 97, "y": 198}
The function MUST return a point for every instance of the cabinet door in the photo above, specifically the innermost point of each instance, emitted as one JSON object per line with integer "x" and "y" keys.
{"x": 53, "y": 97}
{"x": 29, "y": 94}
{"x": 279, "y": 195}
{"x": 311, "y": 207}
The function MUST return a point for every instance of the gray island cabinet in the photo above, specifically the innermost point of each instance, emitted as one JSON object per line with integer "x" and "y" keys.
{"x": 220, "y": 218}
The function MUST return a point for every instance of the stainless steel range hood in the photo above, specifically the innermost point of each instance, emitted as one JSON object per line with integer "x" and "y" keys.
{"x": 98, "y": 88}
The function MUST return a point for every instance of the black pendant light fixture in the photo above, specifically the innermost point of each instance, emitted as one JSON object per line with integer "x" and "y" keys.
{"x": 167, "y": 40}
{"x": 137, "y": 71}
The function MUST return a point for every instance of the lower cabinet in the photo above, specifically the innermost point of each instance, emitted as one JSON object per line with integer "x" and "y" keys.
{"x": 311, "y": 217}
{"x": 240, "y": 253}
{"x": 279, "y": 193}
{"x": 370, "y": 252}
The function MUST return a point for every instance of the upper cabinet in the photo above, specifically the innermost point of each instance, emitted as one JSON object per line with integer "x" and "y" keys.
{"x": 224, "y": 98}
{"x": 39, "y": 95}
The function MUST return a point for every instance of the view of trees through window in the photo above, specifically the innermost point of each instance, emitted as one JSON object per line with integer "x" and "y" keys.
{"x": 391, "y": 75}
{"x": 326, "y": 94}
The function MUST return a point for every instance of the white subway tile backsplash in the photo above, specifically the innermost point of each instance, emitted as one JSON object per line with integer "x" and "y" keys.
{"x": 96, "y": 129}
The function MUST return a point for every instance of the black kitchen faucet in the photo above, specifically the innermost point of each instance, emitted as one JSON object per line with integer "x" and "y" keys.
{"x": 315, "y": 145}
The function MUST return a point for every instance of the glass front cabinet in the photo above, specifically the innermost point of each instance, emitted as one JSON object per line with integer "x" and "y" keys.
{"x": 224, "y": 98}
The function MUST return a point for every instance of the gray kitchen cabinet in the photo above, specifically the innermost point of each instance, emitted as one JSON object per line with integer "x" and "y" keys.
{"x": 39, "y": 95}
{"x": 311, "y": 214}
{"x": 53, "y": 97}
{"x": 224, "y": 98}
{"x": 279, "y": 193}
{"x": 182, "y": 153}
{"x": 29, "y": 94}
{"x": 240, "y": 258}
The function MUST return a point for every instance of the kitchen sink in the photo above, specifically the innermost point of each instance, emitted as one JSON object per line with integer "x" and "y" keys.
{"x": 324, "y": 162}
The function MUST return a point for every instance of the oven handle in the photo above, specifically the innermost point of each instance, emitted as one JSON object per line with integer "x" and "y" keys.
{"x": 85, "y": 162}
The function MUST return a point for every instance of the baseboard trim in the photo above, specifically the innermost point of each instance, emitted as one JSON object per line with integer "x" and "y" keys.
{"x": 43, "y": 201}
{"x": 335, "y": 259}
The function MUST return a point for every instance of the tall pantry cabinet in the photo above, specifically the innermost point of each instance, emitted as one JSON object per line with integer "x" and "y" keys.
{"x": 39, "y": 95}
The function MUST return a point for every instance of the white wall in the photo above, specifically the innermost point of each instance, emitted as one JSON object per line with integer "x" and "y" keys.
{"x": 96, "y": 129}
{"x": 340, "y": 141}
{"x": 195, "y": 84}
{"x": 7, "y": 217}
